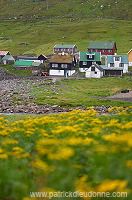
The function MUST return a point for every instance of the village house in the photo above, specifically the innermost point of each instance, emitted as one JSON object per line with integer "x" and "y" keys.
{"x": 8, "y": 60}
{"x": 86, "y": 59}
{"x": 94, "y": 71}
{"x": 62, "y": 65}
{"x": 130, "y": 57}
{"x": 2, "y": 54}
{"x": 105, "y": 47}
{"x": 115, "y": 65}
{"x": 118, "y": 62}
{"x": 66, "y": 48}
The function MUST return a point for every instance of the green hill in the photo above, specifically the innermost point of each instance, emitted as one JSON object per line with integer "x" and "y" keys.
{"x": 35, "y": 27}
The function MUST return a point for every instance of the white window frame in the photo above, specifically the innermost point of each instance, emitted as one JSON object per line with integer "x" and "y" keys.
{"x": 64, "y": 66}
{"x": 84, "y": 63}
{"x": 55, "y": 65}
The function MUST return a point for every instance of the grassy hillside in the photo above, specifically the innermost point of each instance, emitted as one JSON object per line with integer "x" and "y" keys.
{"x": 35, "y": 27}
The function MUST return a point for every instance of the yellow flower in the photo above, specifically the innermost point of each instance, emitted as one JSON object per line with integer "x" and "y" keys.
{"x": 7, "y": 141}
{"x": 129, "y": 163}
{"x": 62, "y": 153}
{"x": 37, "y": 163}
{"x": 111, "y": 185}
{"x": 3, "y": 156}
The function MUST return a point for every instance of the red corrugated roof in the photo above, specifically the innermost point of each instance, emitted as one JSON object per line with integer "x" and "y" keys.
{"x": 3, "y": 53}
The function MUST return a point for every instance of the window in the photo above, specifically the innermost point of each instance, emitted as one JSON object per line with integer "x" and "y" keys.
{"x": 109, "y": 51}
{"x": 92, "y": 69}
{"x": 84, "y": 63}
{"x": 94, "y": 62}
{"x": 90, "y": 56}
{"x": 117, "y": 58}
{"x": 103, "y": 50}
{"x": 111, "y": 64}
{"x": 54, "y": 65}
{"x": 63, "y": 66}
{"x": 95, "y": 72}
{"x": 121, "y": 65}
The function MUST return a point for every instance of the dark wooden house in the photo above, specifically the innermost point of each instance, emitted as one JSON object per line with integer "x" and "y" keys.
{"x": 62, "y": 65}
{"x": 86, "y": 59}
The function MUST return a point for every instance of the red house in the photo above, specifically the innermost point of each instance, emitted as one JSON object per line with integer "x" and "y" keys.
{"x": 105, "y": 47}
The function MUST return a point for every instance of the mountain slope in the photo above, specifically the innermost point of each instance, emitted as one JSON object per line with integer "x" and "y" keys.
{"x": 50, "y": 8}
{"x": 35, "y": 27}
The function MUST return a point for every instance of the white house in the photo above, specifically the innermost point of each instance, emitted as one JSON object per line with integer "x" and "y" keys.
{"x": 94, "y": 71}
{"x": 117, "y": 61}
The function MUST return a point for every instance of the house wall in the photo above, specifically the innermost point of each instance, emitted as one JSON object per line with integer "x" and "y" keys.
{"x": 130, "y": 58}
{"x": 113, "y": 73}
{"x": 83, "y": 68}
{"x": 125, "y": 69}
{"x": 104, "y": 51}
{"x": 70, "y": 66}
{"x": 66, "y": 50}
{"x": 93, "y": 74}
{"x": 116, "y": 64}
{"x": 64, "y": 73}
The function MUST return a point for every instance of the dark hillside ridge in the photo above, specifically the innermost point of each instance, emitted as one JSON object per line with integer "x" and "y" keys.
{"x": 119, "y": 9}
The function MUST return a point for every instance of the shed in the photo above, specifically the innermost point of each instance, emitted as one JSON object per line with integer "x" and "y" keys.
{"x": 22, "y": 64}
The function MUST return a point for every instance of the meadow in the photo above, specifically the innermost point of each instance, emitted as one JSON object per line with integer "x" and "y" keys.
{"x": 75, "y": 151}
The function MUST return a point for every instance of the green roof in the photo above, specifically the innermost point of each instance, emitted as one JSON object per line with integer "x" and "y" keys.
{"x": 6, "y": 57}
{"x": 110, "y": 58}
{"x": 111, "y": 68}
{"x": 83, "y": 56}
{"x": 23, "y": 62}
{"x": 64, "y": 46}
{"x": 101, "y": 45}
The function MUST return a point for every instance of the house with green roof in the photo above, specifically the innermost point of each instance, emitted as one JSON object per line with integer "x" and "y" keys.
{"x": 117, "y": 62}
{"x": 105, "y": 47}
{"x": 86, "y": 59}
{"x": 65, "y": 48}
{"x": 23, "y": 64}
{"x": 8, "y": 59}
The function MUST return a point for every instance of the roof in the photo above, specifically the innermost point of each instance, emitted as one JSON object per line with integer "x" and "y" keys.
{"x": 110, "y": 58}
{"x": 101, "y": 45}
{"x": 27, "y": 58}
{"x": 111, "y": 68}
{"x": 3, "y": 53}
{"x": 62, "y": 58}
{"x": 36, "y": 64}
{"x": 83, "y": 56}
{"x": 64, "y": 46}
{"x": 23, "y": 62}
{"x": 97, "y": 66}
{"x": 129, "y": 51}
{"x": 7, "y": 57}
